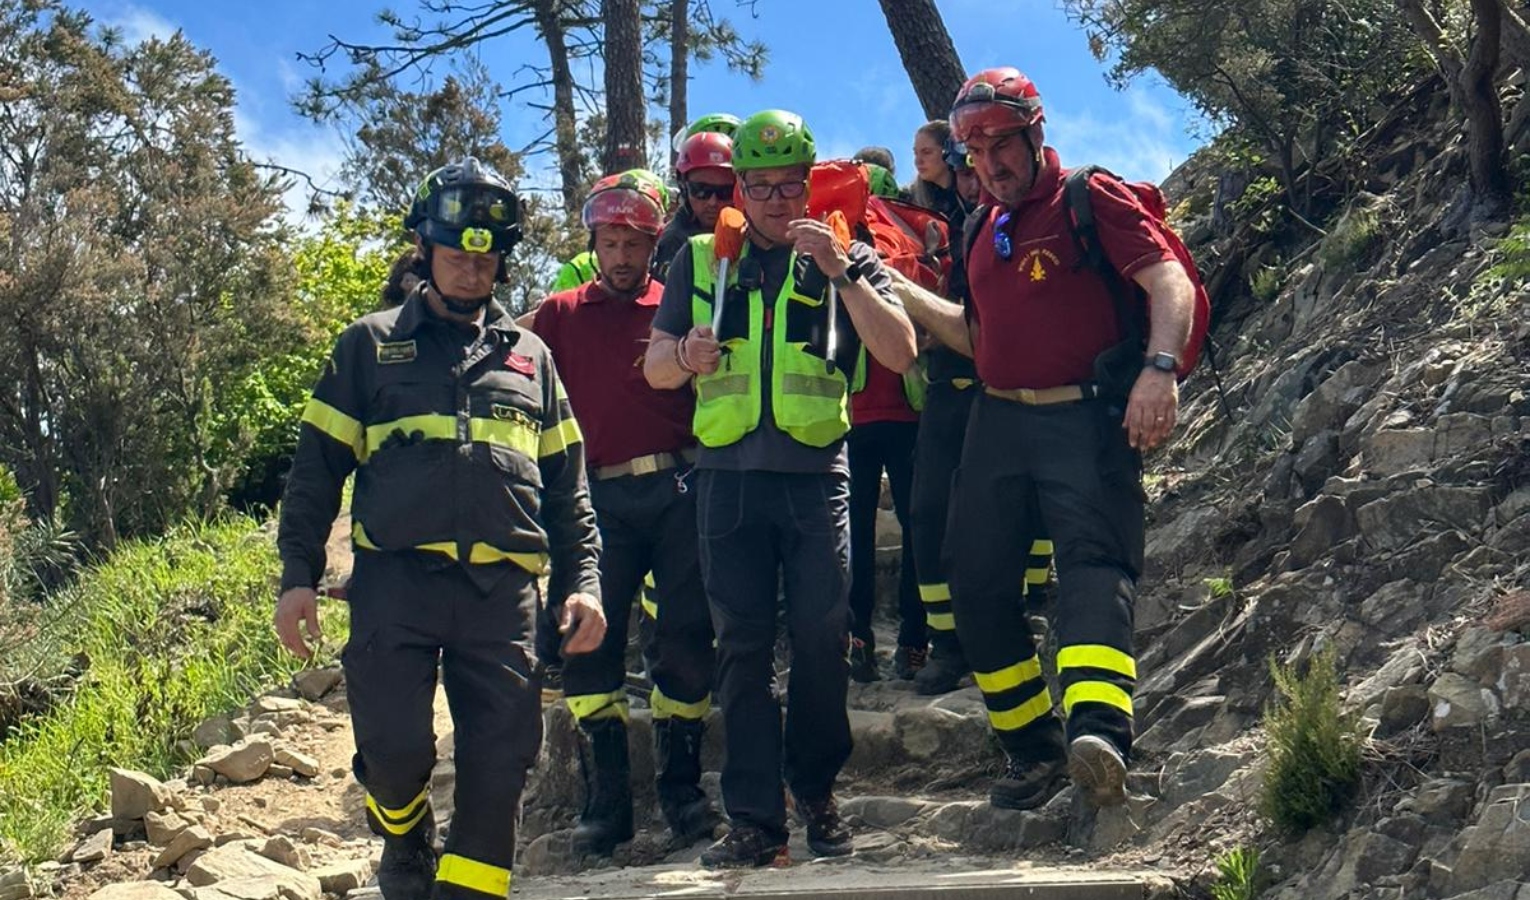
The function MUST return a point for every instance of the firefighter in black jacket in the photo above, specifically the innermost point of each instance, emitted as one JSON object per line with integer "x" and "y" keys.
{"x": 470, "y": 482}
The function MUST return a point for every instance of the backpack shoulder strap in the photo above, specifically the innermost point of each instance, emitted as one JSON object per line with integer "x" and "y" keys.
{"x": 1086, "y": 237}
{"x": 971, "y": 226}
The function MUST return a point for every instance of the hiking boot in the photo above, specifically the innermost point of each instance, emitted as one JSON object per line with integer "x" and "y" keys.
{"x": 907, "y": 661}
{"x": 408, "y": 867}
{"x": 827, "y": 833}
{"x": 677, "y": 774}
{"x": 1099, "y": 770}
{"x": 1026, "y": 784}
{"x": 607, "y": 817}
{"x": 863, "y": 662}
{"x": 944, "y": 670}
{"x": 744, "y": 847}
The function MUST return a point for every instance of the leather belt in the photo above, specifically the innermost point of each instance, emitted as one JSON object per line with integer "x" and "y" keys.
{"x": 1068, "y": 393}
{"x": 644, "y": 465}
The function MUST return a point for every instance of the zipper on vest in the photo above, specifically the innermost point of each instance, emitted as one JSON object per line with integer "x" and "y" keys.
{"x": 770, "y": 320}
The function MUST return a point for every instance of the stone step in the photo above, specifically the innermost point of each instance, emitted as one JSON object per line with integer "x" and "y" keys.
{"x": 847, "y": 880}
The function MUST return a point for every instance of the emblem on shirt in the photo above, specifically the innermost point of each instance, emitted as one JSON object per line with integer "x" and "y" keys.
{"x": 392, "y": 352}
{"x": 1037, "y": 262}
{"x": 521, "y": 364}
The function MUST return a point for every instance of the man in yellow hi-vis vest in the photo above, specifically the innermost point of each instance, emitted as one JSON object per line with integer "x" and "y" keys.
{"x": 772, "y": 350}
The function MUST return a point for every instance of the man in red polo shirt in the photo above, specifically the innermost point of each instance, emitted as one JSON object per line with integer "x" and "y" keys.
{"x": 639, "y": 452}
{"x": 1054, "y": 443}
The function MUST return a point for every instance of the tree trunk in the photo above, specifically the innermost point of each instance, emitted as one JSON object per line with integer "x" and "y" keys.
{"x": 1516, "y": 37}
{"x": 1484, "y": 113}
{"x": 679, "y": 68}
{"x": 549, "y": 15}
{"x": 928, "y": 54}
{"x": 626, "y": 107}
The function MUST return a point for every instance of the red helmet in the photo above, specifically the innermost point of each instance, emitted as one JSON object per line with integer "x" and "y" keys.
{"x": 625, "y": 199}
{"x": 707, "y": 150}
{"x": 995, "y": 102}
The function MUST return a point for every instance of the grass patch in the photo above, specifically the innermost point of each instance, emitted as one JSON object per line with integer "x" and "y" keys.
{"x": 1265, "y": 284}
{"x": 1238, "y": 875}
{"x": 1314, "y": 746}
{"x": 1354, "y": 236}
{"x": 174, "y": 630}
{"x": 1218, "y": 587}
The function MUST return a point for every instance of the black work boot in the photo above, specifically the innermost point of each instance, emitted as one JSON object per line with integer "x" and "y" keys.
{"x": 863, "y": 661}
{"x": 946, "y": 667}
{"x": 408, "y": 867}
{"x": 1099, "y": 770}
{"x": 827, "y": 833}
{"x": 908, "y": 662}
{"x": 1027, "y": 784}
{"x": 607, "y": 817}
{"x": 744, "y": 847}
{"x": 677, "y": 773}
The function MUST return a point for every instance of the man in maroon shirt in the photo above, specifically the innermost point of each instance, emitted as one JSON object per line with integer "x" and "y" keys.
{"x": 1054, "y": 442}
{"x": 639, "y": 451}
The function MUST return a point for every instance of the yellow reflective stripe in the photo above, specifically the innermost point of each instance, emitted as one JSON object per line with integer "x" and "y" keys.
{"x": 650, "y": 607}
{"x": 336, "y": 424}
{"x": 666, "y": 708}
{"x": 430, "y": 425}
{"x": 1009, "y": 676}
{"x": 508, "y": 433}
{"x": 721, "y": 386}
{"x": 934, "y": 593}
{"x": 648, "y": 581}
{"x": 479, "y": 554}
{"x": 560, "y": 438}
{"x": 558, "y": 392}
{"x": 1096, "y": 692}
{"x": 400, "y": 821}
{"x": 1041, "y": 548}
{"x": 586, "y": 707}
{"x": 1022, "y": 715}
{"x": 811, "y": 385}
{"x": 1036, "y": 576}
{"x": 940, "y": 621}
{"x": 1096, "y": 656}
{"x": 473, "y": 875}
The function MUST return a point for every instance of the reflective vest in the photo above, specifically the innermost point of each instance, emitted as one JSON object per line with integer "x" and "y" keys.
{"x": 915, "y": 382}
{"x": 809, "y": 399}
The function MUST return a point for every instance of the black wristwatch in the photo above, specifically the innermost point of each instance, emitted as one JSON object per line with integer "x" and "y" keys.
{"x": 1163, "y": 362}
{"x": 851, "y": 274}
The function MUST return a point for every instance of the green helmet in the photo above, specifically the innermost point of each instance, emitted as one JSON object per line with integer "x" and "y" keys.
{"x": 771, "y": 139}
{"x": 649, "y": 179}
{"x": 882, "y": 182}
{"x": 721, "y": 123}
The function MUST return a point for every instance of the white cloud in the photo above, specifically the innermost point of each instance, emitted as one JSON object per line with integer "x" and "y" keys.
{"x": 138, "y": 24}
{"x": 1147, "y": 143}
{"x": 315, "y": 150}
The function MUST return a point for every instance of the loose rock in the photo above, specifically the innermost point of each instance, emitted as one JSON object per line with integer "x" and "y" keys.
{"x": 194, "y": 838}
{"x": 135, "y": 794}
{"x": 244, "y": 762}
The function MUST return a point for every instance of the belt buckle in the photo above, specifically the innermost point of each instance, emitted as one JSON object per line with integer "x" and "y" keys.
{"x": 645, "y": 465}
{"x": 1027, "y": 395}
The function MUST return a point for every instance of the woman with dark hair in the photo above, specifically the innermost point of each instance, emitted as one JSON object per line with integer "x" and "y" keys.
{"x": 934, "y": 185}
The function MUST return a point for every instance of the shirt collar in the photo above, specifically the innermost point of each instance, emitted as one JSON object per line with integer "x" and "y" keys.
{"x": 416, "y": 313}
{"x": 594, "y": 293}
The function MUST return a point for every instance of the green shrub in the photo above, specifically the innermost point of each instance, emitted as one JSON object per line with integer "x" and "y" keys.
{"x": 1238, "y": 875}
{"x": 1219, "y": 587}
{"x": 1314, "y": 746}
{"x": 174, "y": 630}
{"x": 1354, "y": 236}
{"x": 1514, "y": 255}
{"x": 1265, "y": 284}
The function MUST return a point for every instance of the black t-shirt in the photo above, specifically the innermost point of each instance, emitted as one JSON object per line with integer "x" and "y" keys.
{"x": 767, "y": 447}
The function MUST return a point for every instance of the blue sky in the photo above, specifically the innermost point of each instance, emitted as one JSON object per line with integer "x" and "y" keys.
{"x": 833, "y": 61}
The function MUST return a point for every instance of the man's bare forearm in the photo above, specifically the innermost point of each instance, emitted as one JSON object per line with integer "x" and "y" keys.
{"x": 1172, "y": 296}
{"x": 945, "y": 320}
{"x": 882, "y": 326}
{"x": 661, "y": 365}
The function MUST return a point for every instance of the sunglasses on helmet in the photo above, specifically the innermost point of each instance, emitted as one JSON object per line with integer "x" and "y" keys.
{"x": 473, "y": 205}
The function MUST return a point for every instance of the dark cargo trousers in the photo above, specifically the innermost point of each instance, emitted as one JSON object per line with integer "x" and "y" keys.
{"x": 647, "y": 524}
{"x": 754, "y": 525}
{"x": 937, "y": 453}
{"x": 872, "y": 448}
{"x": 412, "y": 614}
{"x": 1065, "y": 469}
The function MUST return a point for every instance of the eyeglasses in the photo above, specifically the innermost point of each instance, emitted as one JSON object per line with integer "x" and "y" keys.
{"x": 698, "y": 190}
{"x": 787, "y": 190}
{"x": 1002, "y": 245}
